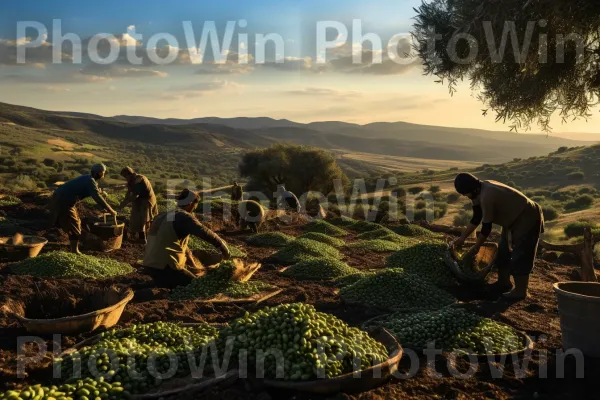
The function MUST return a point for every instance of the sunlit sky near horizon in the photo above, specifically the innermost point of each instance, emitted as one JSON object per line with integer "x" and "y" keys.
{"x": 298, "y": 89}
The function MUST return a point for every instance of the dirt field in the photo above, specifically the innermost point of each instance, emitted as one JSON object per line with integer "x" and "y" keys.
{"x": 536, "y": 316}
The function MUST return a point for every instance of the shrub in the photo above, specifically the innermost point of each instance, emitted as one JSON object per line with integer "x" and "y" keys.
{"x": 586, "y": 190}
{"x": 550, "y": 213}
{"x": 561, "y": 196}
{"x": 576, "y": 229}
{"x": 576, "y": 176}
{"x": 463, "y": 218}
{"x": 416, "y": 189}
{"x": 434, "y": 189}
{"x": 453, "y": 198}
{"x": 542, "y": 192}
{"x": 585, "y": 200}
{"x": 580, "y": 203}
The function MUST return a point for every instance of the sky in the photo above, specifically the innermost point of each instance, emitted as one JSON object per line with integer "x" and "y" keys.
{"x": 296, "y": 81}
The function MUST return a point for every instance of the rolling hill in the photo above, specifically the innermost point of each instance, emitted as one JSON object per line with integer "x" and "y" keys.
{"x": 391, "y": 139}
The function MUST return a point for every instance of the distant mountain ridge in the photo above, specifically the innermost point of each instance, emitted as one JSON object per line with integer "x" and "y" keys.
{"x": 213, "y": 133}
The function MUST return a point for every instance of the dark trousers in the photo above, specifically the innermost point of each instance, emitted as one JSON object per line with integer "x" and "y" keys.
{"x": 520, "y": 257}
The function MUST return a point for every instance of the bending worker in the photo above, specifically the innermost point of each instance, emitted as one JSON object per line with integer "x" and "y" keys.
{"x": 144, "y": 207}
{"x": 62, "y": 206}
{"x": 522, "y": 223}
{"x": 168, "y": 258}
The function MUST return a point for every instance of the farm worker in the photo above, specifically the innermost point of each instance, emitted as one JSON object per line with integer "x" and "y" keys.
{"x": 522, "y": 223}
{"x": 167, "y": 254}
{"x": 237, "y": 194}
{"x": 143, "y": 202}
{"x": 62, "y": 206}
{"x": 287, "y": 199}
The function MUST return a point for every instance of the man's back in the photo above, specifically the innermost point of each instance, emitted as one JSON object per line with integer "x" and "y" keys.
{"x": 77, "y": 189}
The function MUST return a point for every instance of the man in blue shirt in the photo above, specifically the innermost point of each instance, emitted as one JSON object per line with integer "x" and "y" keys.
{"x": 65, "y": 198}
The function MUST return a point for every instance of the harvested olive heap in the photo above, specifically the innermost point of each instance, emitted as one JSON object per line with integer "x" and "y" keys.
{"x": 376, "y": 234}
{"x": 303, "y": 250}
{"x": 219, "y": 282}
{"x": 9, "y": 201}
{"x": 60, "y": 264}
{"x": 389, "y": 235}
{"x": 133, "y": 347}
{"x": 412, "y": 230}
{"x": 83, "y": 389}
{"x": 452, "y": 329}
{"x": 353, "y": 278}
{"x": 314, "y": 344}
{"x": 199, "y": 244}
{"x": 364, "y": 226}
{"x": 325, "y": 227}
{"x": 424, "y": 259}
{"x": 396, "y": 289}
{"x": 270, "y": 239}
{"x": 377, "y": 245}
{"x": 323, "y": 238}
{"x": 319, "y": 269}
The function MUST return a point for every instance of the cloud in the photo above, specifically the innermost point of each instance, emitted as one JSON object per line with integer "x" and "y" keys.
{"x": 111, "y": 71}
{"x": 325, "y": 92}
{"x": 199, "y": 89}
{"x": 51, "y": 78}
{"x": 291, "y": 64}
{"x": 370, "y": 64}
{"x": 231, "y": 67}
{"x": 56, "y": 89}
{"x": 374, "y": 62}
{"x": 35, "y": 56}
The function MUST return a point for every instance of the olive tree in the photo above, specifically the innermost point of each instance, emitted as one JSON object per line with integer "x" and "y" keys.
{"x": 300, "y": 168}
{"x": 550, "y": 61}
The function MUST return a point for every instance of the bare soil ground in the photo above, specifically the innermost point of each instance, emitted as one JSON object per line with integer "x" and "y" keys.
{"x": 537, "y": 316}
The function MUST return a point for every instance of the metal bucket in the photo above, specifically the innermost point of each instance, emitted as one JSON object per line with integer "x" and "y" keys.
{"x": 579, "y": 308}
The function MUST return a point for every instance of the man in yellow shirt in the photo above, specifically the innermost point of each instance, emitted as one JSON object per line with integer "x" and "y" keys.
{"x": 168, "y": 258}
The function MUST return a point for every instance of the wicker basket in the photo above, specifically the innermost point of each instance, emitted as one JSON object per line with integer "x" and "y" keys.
{"x": 102, "y": 236}
{"x": 111, "y": 303}
{"x": 349, "y": 383}
{"x": 485, "y": 256}
{"x": 30, "y": 248}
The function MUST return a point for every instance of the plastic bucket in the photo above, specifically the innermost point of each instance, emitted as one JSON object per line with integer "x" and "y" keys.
{"x": 579, "y": 308}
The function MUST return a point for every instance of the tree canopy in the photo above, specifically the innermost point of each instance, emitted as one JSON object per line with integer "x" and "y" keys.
{"x": 555, "y": 68}
{"x": 300, "y": 168}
